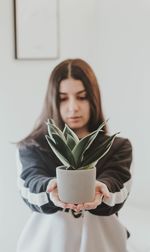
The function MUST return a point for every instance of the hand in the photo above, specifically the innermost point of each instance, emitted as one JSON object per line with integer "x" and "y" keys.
{"x": 52, "y": 189}
{"x": 101, "y": 190}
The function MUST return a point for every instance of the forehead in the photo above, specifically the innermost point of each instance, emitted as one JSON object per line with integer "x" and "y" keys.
{"x": 71, "y": 86}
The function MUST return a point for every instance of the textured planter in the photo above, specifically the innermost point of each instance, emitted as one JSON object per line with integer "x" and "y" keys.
{"x": 76, "y": 186}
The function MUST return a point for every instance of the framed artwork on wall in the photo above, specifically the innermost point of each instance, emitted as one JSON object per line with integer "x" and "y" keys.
{"x": 36, "y": 29}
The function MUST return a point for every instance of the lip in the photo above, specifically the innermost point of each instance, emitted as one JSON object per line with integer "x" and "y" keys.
{"x": 74, "y": 118}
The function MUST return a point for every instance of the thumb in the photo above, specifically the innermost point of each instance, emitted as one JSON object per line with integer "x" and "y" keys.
{"x": 51, "y": 185}
{"x": 102, "y": 188}
{"x": 105, "y": 191}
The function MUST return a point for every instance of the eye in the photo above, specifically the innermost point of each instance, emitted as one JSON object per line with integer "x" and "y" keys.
{"x": 82, "y": 97}
{"x": 62, "y": 98}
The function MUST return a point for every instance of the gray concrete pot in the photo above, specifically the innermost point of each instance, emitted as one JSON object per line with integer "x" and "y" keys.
{"x": 76, "y": 186}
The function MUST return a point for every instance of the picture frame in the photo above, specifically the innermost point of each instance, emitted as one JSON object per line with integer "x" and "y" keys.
{"x": 36, "y": 29}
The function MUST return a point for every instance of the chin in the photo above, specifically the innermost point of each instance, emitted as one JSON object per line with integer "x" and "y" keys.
{"x": 75, "y": 125}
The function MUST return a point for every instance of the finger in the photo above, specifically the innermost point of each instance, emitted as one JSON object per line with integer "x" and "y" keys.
{"x": 55, "y": 199}
{"x": 105, "y": 191}
{"x": 89, "y": 205}
{"x": 51, "y": 185}
{"x": 97, "y": 201}
{"x": 70, "y": 206}
{"x": 59, "y": 203}
{"x": 79, "y": 207}
{"x": 102, "y": 188}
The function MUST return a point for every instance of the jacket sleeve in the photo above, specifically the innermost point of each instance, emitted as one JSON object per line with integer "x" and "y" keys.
{"x": 115, "y": 173}
{"x": 33, "y": 178}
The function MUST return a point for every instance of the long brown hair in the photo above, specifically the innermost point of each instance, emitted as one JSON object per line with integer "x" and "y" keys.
{"x": 77, "y": 69}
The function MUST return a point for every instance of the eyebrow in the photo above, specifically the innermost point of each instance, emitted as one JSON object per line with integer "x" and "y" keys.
{"x": 79, "y": 92}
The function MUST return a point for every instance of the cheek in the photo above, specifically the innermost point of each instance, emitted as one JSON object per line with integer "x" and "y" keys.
{"x": 62, "y": 110}
{"x": 87, "y": 109}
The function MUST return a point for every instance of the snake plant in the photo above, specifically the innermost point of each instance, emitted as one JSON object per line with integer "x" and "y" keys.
{"x": 74, "y": 152}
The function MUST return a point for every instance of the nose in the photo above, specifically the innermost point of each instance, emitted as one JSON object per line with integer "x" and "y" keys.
{"x": 73, "y": 105}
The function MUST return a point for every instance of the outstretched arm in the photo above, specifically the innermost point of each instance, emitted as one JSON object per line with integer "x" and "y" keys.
{"x": 33, "y": 178}
{"x": 116, "y": 175}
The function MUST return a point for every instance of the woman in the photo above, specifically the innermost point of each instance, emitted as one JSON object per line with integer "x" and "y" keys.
{"x": 73, "y": 97}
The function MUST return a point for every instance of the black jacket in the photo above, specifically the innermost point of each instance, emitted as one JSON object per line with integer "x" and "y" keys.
{"x": 37, "y": 166}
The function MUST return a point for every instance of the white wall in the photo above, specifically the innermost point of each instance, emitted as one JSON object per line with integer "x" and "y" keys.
{"x": 124, "y": 64}
{"x": 114, "y": 37}
{"x": 22, "y": 89}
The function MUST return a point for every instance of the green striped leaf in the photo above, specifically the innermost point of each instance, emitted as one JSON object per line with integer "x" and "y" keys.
{"x": 61, "y": 149}
{"x": 70, "y": 141}
{"x": 63, "y": 160}
{"x": 84, "y": 144}
{"x": 53, "y": 129}
{"x": 67, "y": 131}
{"x": 99, "y": 152}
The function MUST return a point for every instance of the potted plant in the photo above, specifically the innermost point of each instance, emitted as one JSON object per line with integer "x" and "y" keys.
{"x": 76, "y": 177}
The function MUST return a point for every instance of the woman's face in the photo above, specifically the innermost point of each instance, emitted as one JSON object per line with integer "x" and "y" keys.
{"x": 74, "y": 105}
